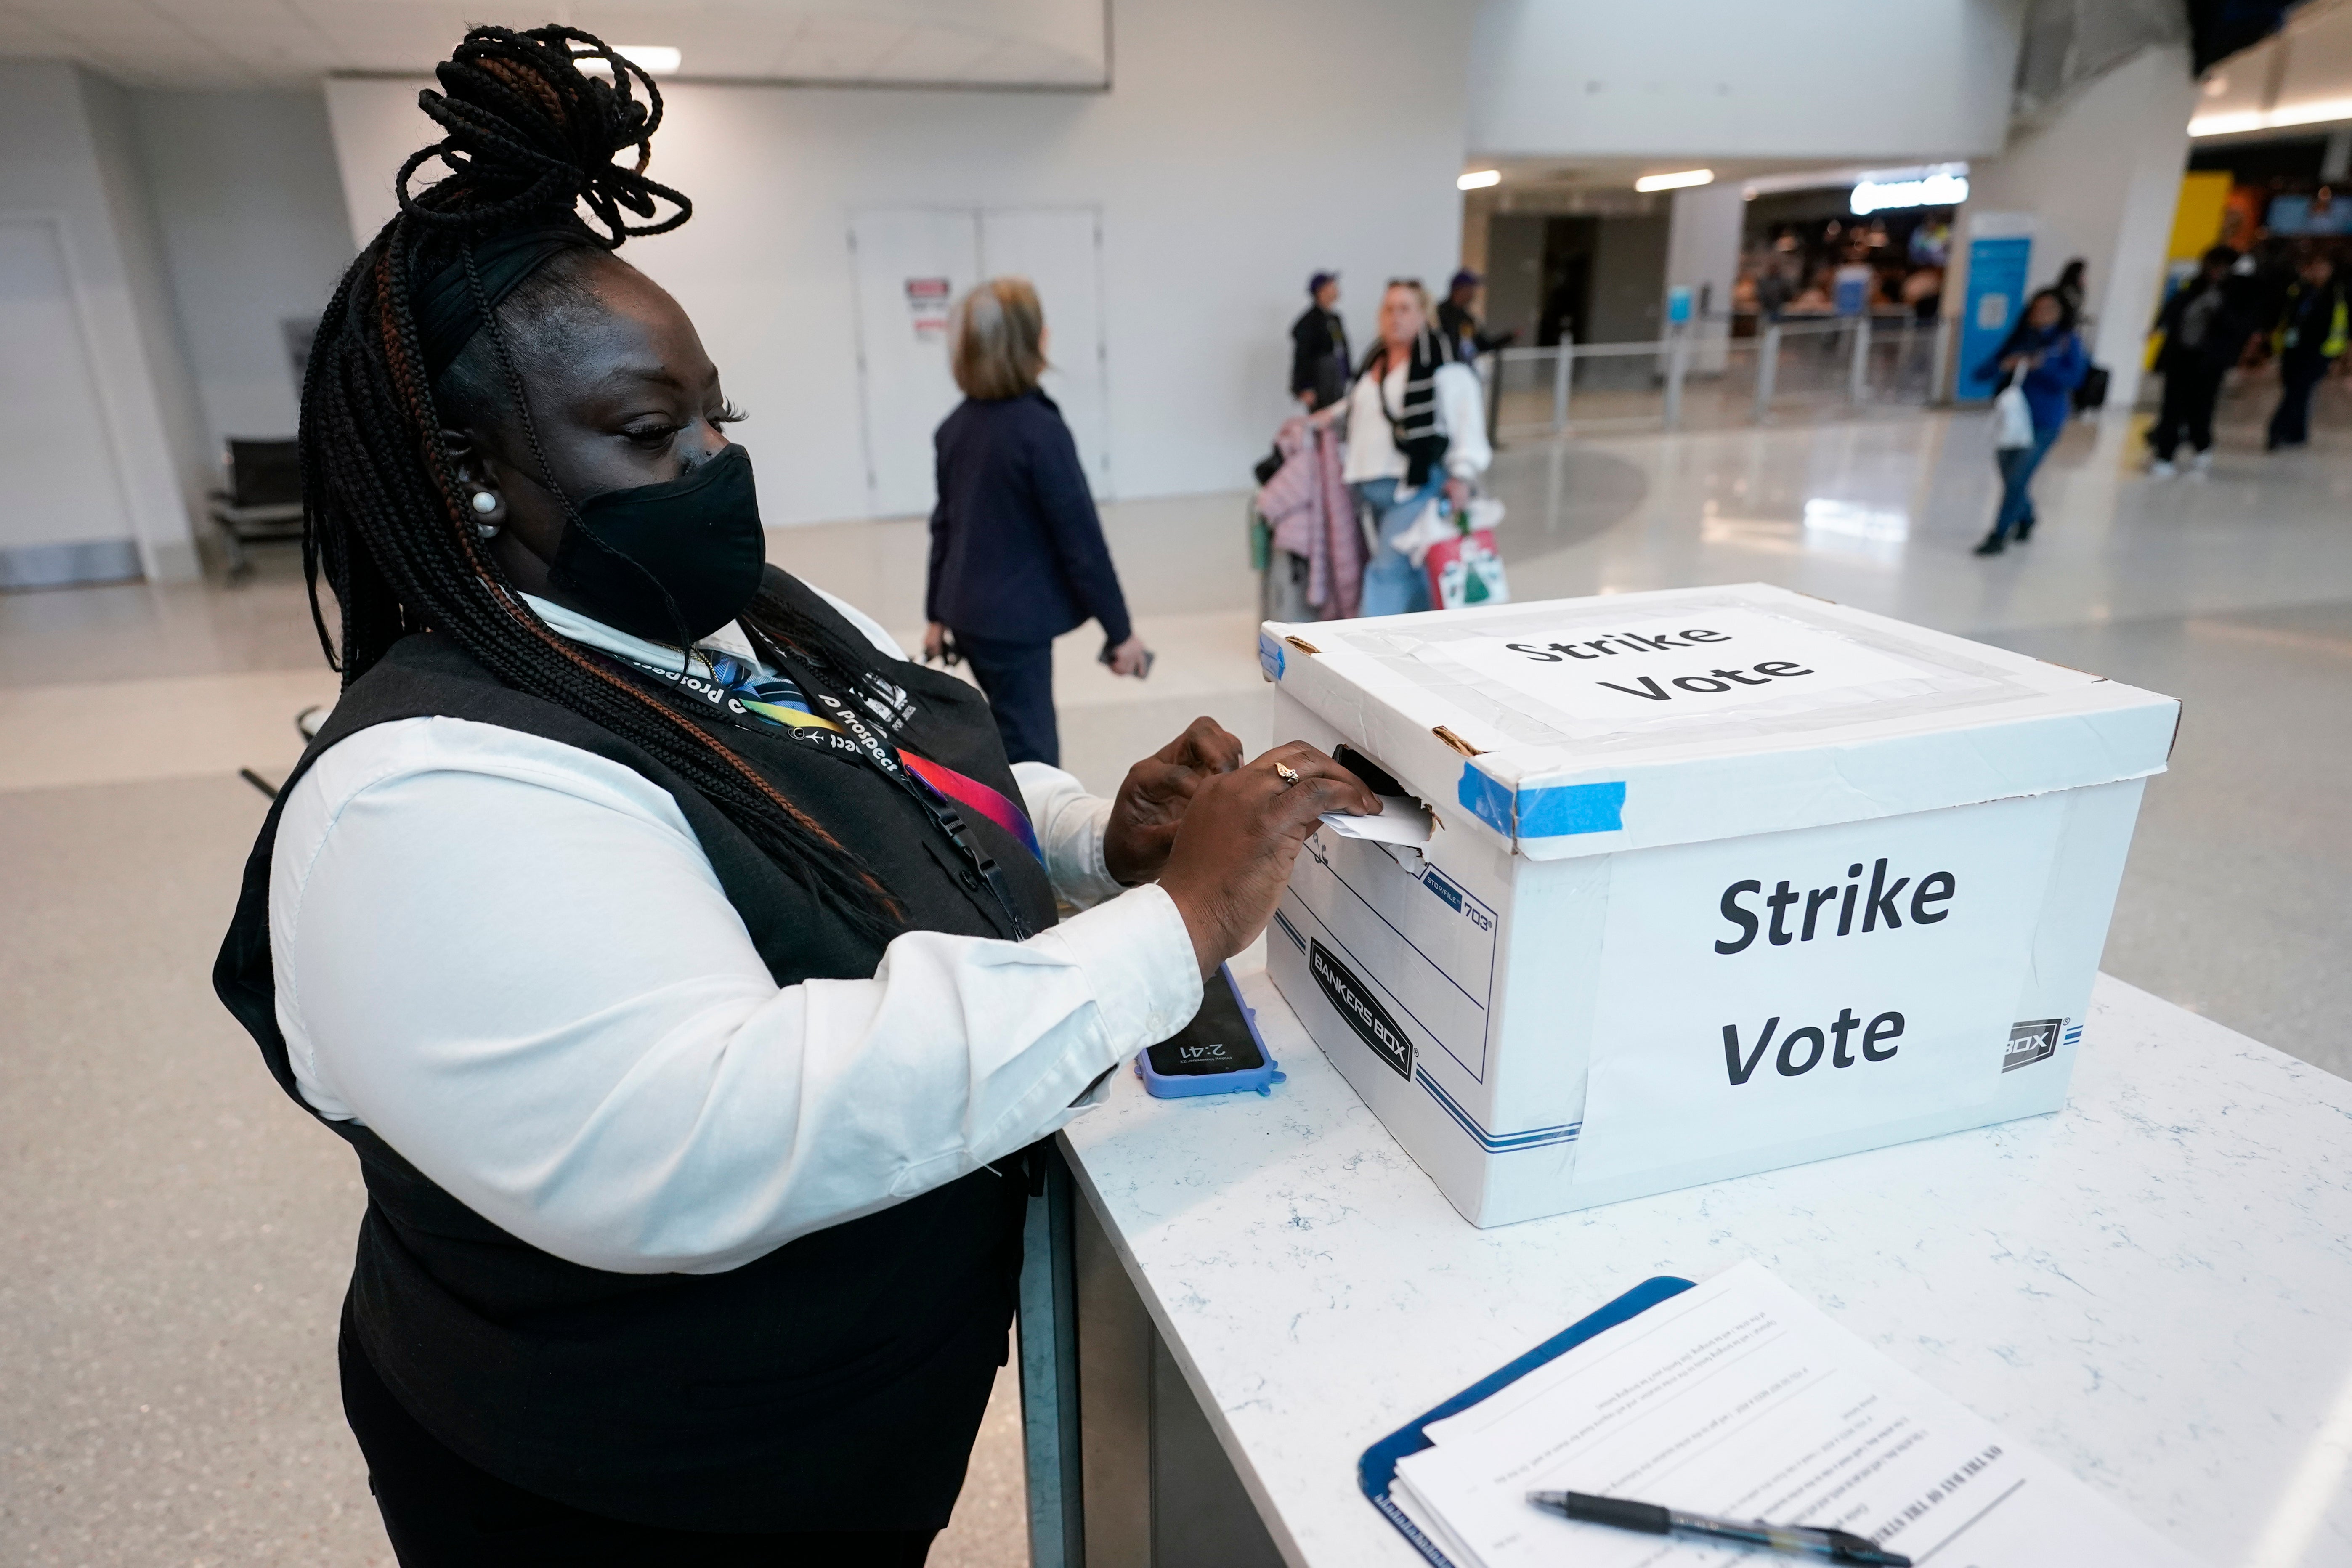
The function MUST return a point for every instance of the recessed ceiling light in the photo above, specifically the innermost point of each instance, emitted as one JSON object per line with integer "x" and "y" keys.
{"x": 1479, "y": 179}
{"x": 1675, "y": 182}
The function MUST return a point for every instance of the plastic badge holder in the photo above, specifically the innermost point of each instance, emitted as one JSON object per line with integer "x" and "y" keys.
{"x": 1218, "y": 1052}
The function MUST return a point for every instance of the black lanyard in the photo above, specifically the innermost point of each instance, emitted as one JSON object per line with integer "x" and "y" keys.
{"x": 884, "y": 757}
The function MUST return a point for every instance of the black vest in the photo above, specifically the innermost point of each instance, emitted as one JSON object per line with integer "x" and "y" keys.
{"x": 835, "y": 1384}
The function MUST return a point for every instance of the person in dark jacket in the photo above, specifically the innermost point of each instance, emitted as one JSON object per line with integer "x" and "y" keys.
{"x": 2310, "y": 334}
{"x": 1319, "y": 362}
{"x": 1458, "y": 321}
{"x": 2047, "y": 354}
{"x": 2205, "y": 326}
{"x": 1017, "y": 552}
{"x": 686, "y": 1035}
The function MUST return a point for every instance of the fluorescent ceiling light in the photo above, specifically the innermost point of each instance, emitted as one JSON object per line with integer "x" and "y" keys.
{"x": 1479, "y": 179}
{"x": 658, "y": 59}
{"x": 2311, "y": 112}
{"x": 1648, "y": 182}
{"x": 1933, "y": 191}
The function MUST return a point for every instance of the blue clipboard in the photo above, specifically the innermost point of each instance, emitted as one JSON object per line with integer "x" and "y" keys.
{"x": 1376, "y": 1471}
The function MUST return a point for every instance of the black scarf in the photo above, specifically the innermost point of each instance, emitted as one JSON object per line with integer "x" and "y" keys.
{"x": 1414, "y": 424}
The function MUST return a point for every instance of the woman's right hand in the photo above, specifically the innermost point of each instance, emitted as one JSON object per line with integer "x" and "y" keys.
{"x": 1239, "y": 839}
{"x": 935, "y": 642}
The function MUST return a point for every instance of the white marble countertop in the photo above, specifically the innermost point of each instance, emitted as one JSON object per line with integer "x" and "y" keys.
{"x": 2152, "y": 1287}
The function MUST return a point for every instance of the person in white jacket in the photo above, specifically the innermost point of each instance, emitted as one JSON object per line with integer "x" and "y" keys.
{"x": 1416, "y": 430}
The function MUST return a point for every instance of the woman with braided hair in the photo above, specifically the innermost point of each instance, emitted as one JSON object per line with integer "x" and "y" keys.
{"x": 680, "y": 961}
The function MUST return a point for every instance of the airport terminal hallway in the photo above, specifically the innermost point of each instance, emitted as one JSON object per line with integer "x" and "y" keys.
{"x": 178, "y": 1235}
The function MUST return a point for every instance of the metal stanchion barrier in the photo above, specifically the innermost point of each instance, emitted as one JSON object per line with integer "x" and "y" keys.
{"x": 1562, "y": 368}
{"x": 1678, "y": 368}
{"x": 1489, "y": 369}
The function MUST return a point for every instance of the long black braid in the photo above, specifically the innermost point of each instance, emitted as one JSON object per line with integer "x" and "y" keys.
{"x": 530, "y": 140}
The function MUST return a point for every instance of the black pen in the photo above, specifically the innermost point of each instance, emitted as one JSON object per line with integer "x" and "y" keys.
{"x": 1810, "y": 1540}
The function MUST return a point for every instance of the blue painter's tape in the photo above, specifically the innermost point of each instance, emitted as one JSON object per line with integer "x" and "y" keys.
{"x": 1485, "y": 799}
{"x": 1269, "y": 657}
{"x": 1563, "y": 809}
{"x": 1554, "y": 812}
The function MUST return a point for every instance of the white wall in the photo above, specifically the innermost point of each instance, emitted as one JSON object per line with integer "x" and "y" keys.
{"x": 249, "y": 213}
{"x": 145, "y": 275}
{"x": 1703, "y": 255}
{"x": 65, "y": 150}
{"x": 1831, "y": 79}
{"x": 2101, "y": 179}
{"x": 1241, "y": 146}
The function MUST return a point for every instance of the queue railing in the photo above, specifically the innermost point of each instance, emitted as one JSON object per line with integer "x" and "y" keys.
{"x": 1794, "y": 364}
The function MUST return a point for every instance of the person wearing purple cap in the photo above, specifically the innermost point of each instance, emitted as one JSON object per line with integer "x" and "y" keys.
{"x": 1320, "y": 365}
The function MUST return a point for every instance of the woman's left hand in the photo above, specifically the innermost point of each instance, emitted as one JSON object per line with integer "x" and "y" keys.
{"x": 1458, "y": 492}
{"x": 1130, "y": 658}
{"x": 1150, "y": 802}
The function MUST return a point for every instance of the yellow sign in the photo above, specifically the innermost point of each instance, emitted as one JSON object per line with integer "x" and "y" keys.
{"x": 2197, "y": 221}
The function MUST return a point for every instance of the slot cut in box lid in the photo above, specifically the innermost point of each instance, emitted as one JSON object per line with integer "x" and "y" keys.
{"x": 1588, "y": 726}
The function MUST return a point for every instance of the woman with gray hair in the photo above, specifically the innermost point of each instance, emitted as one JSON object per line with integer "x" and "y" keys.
{"x": 1017, "y": 552}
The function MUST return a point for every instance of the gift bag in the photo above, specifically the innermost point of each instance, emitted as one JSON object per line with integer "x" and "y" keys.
{"x": 1465, "y": 570}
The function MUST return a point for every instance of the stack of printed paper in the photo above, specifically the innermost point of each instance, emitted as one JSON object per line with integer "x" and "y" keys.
{"x": 1740, "y": 1400}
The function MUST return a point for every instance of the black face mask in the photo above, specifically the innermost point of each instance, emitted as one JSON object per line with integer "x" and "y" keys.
{"x": 670, "y": 562}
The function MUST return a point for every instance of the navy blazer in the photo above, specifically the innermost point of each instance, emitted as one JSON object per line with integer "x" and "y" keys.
{"x": 1017, "y": 552}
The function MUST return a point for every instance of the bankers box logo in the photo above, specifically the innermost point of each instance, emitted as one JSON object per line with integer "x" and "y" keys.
{"x": 2035, "y": 1041}
{"x": 1363, "y": 1015}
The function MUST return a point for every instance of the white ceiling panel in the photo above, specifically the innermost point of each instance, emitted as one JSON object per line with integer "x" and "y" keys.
{"x": 838, "y": 49}
{"x": 2301, "y": 76}
{"x": 2318, "y": 55}
{"x": 935, "y": 53}
{"x": 214, "y": 43}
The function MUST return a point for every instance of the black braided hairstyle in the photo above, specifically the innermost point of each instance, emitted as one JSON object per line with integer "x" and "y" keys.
{"x": 530, "y": 140}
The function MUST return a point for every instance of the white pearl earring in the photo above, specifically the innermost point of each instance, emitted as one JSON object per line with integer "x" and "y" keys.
{"x": 485, "y": 502}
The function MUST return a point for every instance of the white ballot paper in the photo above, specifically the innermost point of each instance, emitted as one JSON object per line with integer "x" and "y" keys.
{"x": 1402, "y": 820}
{"x": 1739, "y": 1399}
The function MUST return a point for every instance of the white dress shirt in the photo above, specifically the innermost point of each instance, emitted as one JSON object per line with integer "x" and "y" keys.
{"x": 512, "y": 960}
{"x": 1460, "y": 419}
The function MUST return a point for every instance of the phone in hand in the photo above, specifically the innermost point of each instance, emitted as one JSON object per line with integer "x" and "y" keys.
{"x": 1149, "y": 658}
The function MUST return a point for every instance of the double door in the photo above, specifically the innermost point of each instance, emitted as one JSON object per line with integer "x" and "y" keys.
{"x": 910, "y": 265}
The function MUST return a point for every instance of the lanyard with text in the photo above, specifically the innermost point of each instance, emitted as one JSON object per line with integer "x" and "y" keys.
{"x": 841, "y": 726}
{"x": 886, "y": 759}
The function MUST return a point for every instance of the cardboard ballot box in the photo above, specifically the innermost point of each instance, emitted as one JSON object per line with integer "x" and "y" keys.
{"x": 1715, "y": 880}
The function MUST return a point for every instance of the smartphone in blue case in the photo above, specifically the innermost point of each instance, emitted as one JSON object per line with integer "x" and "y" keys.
{"x": 1218, "y": 1052}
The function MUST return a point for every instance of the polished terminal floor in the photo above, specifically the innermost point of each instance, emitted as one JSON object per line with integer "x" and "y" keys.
{"x": 177, "y": 1235}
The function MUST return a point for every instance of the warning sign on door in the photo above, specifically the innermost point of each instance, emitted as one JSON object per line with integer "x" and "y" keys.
{"x": 927, "y": 305}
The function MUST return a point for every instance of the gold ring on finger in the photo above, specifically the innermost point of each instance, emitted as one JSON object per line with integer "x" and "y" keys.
{"x": 1289, "y": 776}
